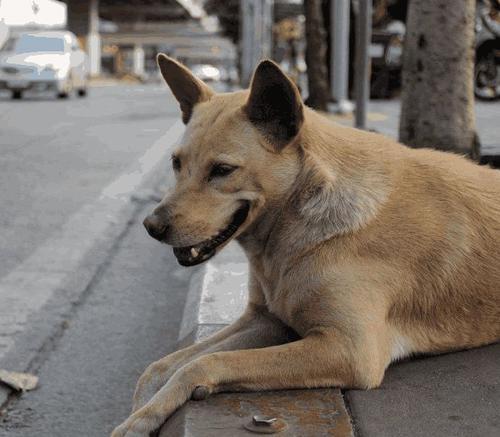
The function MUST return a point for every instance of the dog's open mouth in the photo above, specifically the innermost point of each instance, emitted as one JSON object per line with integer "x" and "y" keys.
{"x": 201, "y": 252}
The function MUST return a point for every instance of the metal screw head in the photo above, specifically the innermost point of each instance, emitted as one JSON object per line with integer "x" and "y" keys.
{"x": 266, "y": 425}
{"x": 264, "y": 420}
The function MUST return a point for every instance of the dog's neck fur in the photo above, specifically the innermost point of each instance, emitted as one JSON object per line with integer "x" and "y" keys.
{"x": 337, "y": 190}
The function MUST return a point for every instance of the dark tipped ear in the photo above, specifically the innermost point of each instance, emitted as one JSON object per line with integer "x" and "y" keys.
{"x": 186, "y": 87}
{"x": 274, "y": 104}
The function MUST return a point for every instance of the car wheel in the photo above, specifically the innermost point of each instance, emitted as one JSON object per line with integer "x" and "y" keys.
{"x": 62, "y": 95}
{"x": 82, "y": 92}
{"x": 486, "y": 77}
{"x": 16, "y": 95}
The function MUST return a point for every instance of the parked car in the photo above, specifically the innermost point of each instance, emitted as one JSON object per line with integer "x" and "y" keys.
{"x": 43, "y": 61}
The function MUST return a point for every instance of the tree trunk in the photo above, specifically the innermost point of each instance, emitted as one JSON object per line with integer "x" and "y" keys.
{"x": 438, "y": 65}
{"x": 317, "y": 73}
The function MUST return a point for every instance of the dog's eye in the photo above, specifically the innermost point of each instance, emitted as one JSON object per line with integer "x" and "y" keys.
{"x": 221, "y": 170}
{"x": 176, "y": 163}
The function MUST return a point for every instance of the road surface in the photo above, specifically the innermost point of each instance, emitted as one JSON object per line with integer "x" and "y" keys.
{"x": 57, "y": 156}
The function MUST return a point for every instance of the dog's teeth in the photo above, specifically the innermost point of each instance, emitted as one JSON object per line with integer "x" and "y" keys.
{"x": 194, "y": 252}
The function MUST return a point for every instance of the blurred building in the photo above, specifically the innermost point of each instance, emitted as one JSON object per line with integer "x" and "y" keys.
{"x": 21, "y": 15}
{"x": 123, "y": 37}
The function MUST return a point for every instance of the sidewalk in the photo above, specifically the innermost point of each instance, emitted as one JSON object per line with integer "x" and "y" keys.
{"x": 383, "y": 116}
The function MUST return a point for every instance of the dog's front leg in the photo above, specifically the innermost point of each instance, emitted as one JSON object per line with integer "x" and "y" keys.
{"x": 255, "y": 329}
{"x": 321, "y": 359}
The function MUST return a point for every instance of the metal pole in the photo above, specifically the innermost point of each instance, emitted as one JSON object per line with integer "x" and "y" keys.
{"x": 94, "y": 39}
{"x": 246, "y": 8}
{"x": 362, "y": 67}
{"x": 267, "y": 19}
{"x": 138, "y": 60}
{"x": 256, "y": 35}
{"x": 340, "y": 54}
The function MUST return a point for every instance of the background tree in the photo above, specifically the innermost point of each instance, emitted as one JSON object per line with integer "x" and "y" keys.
{"x": 316, "y": 46}
{"x": 438, "y": 65}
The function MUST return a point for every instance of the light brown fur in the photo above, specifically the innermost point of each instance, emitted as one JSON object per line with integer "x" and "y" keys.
{"x": 361, "y": 250}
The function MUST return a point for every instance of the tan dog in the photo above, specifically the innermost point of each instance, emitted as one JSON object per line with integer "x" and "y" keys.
{"x": 365, "y": 250}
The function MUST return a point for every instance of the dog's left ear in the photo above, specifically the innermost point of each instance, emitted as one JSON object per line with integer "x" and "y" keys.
{"x": 274, "y": 104}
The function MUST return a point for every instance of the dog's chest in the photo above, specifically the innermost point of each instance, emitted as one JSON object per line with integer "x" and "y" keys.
{"x": 270, "y": 289}
{"x": 274, "y": 289}
{"x": 279, "y": 298}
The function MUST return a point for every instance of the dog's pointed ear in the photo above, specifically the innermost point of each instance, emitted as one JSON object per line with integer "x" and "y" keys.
{"x": 186, "y": 87}
{"x": 274, "y": 104}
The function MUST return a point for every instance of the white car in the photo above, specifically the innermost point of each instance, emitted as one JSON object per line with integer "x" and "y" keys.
{"x": 43, "y": 61}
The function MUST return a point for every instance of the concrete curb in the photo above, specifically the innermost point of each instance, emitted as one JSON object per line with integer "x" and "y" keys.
{"x": 40, "y": 295}
{"x": 216, "y": 296}
{"x": 217, "y": 292}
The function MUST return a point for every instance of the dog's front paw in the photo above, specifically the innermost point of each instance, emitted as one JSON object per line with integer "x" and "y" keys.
{"x": 133, "y": 427}
{"x": 143, "y": 393}
{"x": 122, "y": 431}
{"x": 153, "y": 378}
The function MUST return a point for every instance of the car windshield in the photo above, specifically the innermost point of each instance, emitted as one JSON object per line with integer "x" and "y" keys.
{"x": 37, "y": 43}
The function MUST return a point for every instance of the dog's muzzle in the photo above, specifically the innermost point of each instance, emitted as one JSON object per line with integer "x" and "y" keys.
{"x": 201, "y": 252}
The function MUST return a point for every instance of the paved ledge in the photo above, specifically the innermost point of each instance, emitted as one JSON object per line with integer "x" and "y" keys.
{"x": 306, "y": 413}
{"x": 217, "y": 296}
{"x": 456, "y": 394}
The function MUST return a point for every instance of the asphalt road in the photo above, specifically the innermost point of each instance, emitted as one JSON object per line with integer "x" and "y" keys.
{"x": 57, "y": 155}
{"x": 129, "y": 318}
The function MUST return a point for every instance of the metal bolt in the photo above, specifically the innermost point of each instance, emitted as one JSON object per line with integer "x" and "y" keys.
{"x": 264, "y": 420}
{"x": 266, "y": 425}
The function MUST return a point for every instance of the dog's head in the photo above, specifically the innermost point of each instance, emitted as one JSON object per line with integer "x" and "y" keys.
{"x": 236, "y": 158}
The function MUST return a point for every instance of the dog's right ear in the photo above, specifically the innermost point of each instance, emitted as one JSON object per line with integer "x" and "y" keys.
{"x": 274, "y": 104}
{"x": 186, "y": 87}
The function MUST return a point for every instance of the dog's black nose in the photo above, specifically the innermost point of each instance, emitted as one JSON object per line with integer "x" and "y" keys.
{"x": 155, "y": 226}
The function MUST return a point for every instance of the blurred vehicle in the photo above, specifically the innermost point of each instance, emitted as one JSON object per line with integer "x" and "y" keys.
{"x": 43, "y": 61}
{"x": 487, "y": 65}
{"x": 386, "y": 54}
{"x": 207, "y": 72}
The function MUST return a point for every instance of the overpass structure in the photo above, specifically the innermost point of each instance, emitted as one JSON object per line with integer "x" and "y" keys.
{"x": 129, "y": 32}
